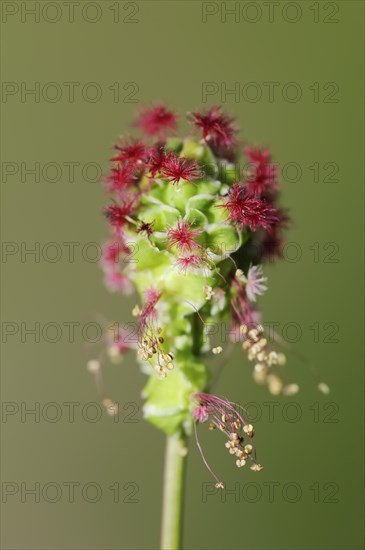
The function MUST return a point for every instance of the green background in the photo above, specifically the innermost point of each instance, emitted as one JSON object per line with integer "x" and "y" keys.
{"x": 169, "y": 53}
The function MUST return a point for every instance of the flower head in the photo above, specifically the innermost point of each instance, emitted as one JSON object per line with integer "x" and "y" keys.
{"x": 175, "y": 168}
{"x": 157, "y": 120}
{"x": 181, "y": 230}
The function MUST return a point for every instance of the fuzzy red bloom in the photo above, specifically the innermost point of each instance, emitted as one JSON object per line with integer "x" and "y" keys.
{"x": 217, "y": 127}
{"x": 117, "y": 214}
{"x": 116, "y": 281}
{"x": 263, "y": 215}
{"x": 246, "y": 209}
{"x": 201, "y": 414}
{"x": 175, "y": 168}
{"x": 112, "y": 252}
{"x": 263, "y": 173}
{"x": 146, "y": 228}
{"x": 183, "y": 237}
{"x": 223, "y": 151}
{"x": 257, "y": 155}
{"x": 152, "y": 295}
{"x": 244, "y": 313}
{"x": 225, "y": 415}
{"x": 121, "y": 178}
{"x": 273, "y": 243}
{"x": 156, "y": 160}
{"x": 272, "y": 246}
{"x": 157, "y": 120}
{"x": 121, "y": 338}
{"x": 229, "y": 418}
{"x": 283, "y": 219}
{"x": 192, "y": 261}
{"x": 148, "y": 312}
{"x": 133, "y": 151}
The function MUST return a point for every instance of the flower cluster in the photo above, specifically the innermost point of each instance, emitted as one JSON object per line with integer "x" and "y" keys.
{"x": 255, "y": 344}
{"x": 227, "y": 417}
{"x": 189, "y": 231}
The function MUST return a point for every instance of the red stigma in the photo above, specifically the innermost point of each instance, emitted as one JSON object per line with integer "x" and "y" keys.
{"x": 146, "y": 228}
{"x": 149, "y": 311}
{"x": 156, "y": 160}
{"x": 121, "y": 178}
{"x": 247, "y": 209}
{"x": 263, "y": 173}
{"x": 182, "y": 236}
{"x": 216, "y": 126}
{"x": 191, "y": 261}
{"x": 133, "y": 151}
{"x": 175, "y": 168}
{"x": 117, "y": 214}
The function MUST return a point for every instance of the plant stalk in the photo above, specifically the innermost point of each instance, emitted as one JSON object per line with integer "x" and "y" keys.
{"x": 173, "y": 492}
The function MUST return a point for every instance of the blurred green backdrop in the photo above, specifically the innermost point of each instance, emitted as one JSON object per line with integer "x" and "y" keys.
{"x": 136, "y": 53}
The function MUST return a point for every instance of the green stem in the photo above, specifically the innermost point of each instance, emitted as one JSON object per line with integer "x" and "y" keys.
{"x": 173, "y": 492}
{"x": 174, "y": 470}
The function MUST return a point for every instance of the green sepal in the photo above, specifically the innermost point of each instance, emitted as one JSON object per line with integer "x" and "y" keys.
{"x": 228, "y": 172}
{"x": 192, "y": 149}
{"x": 187, "y": 289}
{"x": 157, "y": 192}
{"x": 178, "y": 195}
{"x": 223, "y": 239}
{"x": 217, "y": 214}
{"x": 166, "y": 403}
{"x": 200, "y": 202}
{"x": 208, "y": 187}
{"x": 209, "y": 163}
{"x": 195, "y": 373}
{"x": 159, "y": 214}
{"x": 196, "y": 217}
{"x": 146, "y": 257}
{"x": 159, "y": 239}
{"x": 174, "y": 144}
